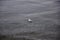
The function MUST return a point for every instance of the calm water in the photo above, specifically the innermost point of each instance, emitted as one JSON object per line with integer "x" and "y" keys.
{"x": 44, "y": 15}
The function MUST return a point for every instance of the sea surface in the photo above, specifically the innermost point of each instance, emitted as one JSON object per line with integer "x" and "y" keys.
{"x": 43, "y": 13}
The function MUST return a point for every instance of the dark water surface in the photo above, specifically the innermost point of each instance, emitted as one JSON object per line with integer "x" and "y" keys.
{"x": 44, "y": 15}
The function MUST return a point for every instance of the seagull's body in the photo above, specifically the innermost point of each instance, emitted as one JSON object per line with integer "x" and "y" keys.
{"x": 29, "y": 20}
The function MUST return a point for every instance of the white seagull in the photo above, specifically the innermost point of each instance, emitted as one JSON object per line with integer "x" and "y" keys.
{"x": 29, "y": 20}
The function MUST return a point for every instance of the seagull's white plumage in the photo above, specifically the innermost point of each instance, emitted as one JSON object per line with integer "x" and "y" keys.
{"x": 29, "y": 20}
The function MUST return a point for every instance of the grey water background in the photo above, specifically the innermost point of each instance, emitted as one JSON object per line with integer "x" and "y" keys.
{"x": 44, "y": 15}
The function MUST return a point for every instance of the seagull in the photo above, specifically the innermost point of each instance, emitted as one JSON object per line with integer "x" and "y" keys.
{"x": 29, "y": 20}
